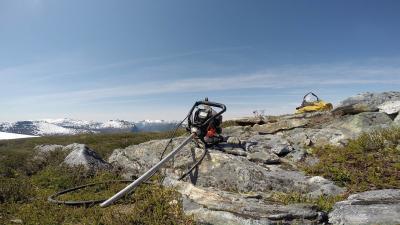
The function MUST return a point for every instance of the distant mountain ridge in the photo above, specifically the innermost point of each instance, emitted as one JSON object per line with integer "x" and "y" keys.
{"x": 68, "y": 126}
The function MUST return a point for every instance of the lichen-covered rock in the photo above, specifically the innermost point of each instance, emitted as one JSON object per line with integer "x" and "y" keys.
{"x": 308, "y": 137}
{"x": 338, "y": 131}
{"x": 82, "y": 155}
{"x": 362, "y": 122}
{"x": 234, "y": 149}
{"x": 269, "y": 143}
{"x": 238, "y": 131}
{"x": 212, "y": 206}
{"x": 263, "y": 157}
{"x": 370, "y": 207}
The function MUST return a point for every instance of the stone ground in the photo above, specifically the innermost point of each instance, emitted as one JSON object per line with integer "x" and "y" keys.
{"x": 234, "y": 182}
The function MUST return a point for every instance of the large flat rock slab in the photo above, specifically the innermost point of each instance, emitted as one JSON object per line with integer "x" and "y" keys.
{"x": 371, "y": 207}
{"x": 213, "y": 206}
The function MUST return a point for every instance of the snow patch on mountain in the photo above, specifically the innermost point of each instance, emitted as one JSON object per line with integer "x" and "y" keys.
{"x": 155, "y": 125}
{"x": 120, "y": 124}
{"x": 44, "y": 128}
{"x": 66, "y": 122}
{"x": 9, "y": 136}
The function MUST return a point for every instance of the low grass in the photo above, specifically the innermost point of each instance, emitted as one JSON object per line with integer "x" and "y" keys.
{"x": 25, "y": 185}
{"x": 372, "y": 161}
{"x": 149, "y": 204}
{"x": 323, "y": 203}
{"x": 16, "y": 155}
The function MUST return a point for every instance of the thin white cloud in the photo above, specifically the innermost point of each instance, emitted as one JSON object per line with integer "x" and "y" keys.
{"x": 66, "y": 67}
{"x": 239, "y": 82}
{"x": 289, "y": 79}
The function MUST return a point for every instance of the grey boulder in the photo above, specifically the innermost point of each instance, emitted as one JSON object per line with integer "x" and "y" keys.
{"x": 82, "y": 155}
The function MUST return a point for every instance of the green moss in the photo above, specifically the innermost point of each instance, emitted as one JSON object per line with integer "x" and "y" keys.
{"x": 369, "y": 162}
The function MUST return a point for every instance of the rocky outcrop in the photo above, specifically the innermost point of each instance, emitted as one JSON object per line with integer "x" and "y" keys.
{"x": 339, "y": 130}
{"x": 223, "y": 170}
{"x": 371, "y": 207}
{"x": 245, "y": 165}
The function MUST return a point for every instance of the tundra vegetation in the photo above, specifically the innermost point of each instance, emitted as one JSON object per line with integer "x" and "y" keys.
{"x": 369, "y": 162}
{"x": 26, "y": 184}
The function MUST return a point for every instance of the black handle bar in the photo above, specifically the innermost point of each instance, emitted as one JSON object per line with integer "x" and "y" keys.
{"x": 212, "y": 104}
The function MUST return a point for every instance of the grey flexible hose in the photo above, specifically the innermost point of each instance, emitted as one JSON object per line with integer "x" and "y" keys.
{"x": 52, "y": 198}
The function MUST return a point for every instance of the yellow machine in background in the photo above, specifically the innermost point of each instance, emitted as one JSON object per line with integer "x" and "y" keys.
{"x": 309, "y": 105}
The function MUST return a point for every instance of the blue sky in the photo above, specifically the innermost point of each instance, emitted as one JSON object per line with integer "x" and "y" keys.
{"x": 137, "y": 60}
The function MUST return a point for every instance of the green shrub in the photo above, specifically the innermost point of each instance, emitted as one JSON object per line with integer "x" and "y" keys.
{"x": 60, "y": 177}
{"x": 369, "y": 162}
{"x": 16, "y": 190}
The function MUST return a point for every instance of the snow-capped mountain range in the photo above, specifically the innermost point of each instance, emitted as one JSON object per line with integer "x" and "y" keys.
{"x": 70, "y": 126}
